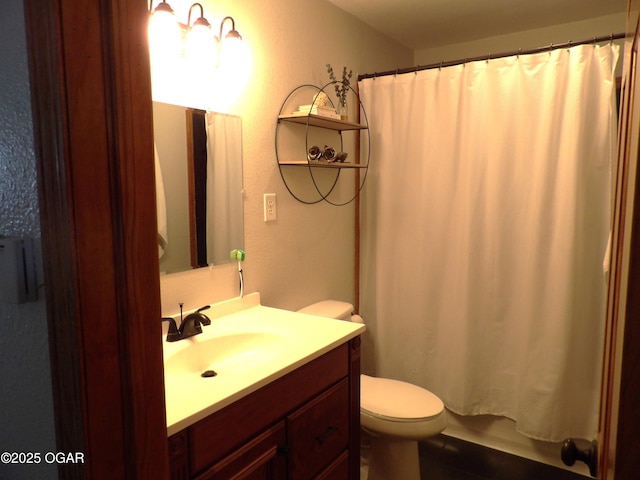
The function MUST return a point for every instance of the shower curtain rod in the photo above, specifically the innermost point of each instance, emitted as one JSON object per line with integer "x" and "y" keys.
{"x": 417, "y": 68}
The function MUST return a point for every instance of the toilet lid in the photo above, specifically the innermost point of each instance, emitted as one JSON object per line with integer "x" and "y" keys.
{"x": 330, "y": 309}
{"x": 397, "y": 399}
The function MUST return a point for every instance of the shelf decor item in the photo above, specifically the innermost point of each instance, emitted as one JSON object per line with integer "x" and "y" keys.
{"x": 342, "y": 88}
{"x": 314, "y": 153}
{"x": 321, "y": 106}
{"x": 313, "y": 109}
{"x": 329, "y": 154}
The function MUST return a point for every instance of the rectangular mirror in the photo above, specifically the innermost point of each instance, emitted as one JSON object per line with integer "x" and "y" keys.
{"x": 198, "y": 186}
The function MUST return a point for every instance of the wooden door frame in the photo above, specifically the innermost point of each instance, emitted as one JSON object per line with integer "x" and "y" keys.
{"x": 619, "y": 419}
{"x": 92, "y": 113}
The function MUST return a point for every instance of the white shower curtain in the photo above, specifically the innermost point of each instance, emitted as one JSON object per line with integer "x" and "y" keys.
{"x": 224, "y": 174}
{"x": 485, "y": 221}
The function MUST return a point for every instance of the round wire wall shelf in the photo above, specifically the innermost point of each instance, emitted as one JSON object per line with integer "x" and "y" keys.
{"x": 321, "y": 125}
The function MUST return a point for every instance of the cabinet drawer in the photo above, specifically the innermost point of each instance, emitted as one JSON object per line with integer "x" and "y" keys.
{"x": 319, "y": 432}
{"x": 338, "y": 470}
{"x": 258, "y": 459}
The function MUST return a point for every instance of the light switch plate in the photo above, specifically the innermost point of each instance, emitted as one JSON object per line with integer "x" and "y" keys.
{"x": 270, "y": 212}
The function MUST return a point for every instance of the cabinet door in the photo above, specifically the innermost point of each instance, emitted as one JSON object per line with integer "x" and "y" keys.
{"x": 319, "y": 432}
{"x": 259, "y": 459}
{"x": 338, "y": 470}
{"x": 179, "y": 456}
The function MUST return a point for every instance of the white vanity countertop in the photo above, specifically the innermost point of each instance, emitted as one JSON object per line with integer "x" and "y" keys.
{"x": 249, "y": 346}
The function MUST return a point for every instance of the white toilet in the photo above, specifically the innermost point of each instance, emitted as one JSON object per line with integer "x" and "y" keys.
{"x": 396, "y": 414}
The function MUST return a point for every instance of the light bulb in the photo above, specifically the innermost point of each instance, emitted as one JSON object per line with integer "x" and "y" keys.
{"x": 201, "y": 44}
{"x": 165, "y": 38}
{"x": 232, "y": 53}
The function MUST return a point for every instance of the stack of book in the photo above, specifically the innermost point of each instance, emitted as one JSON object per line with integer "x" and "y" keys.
{"x": 328, "y": 112}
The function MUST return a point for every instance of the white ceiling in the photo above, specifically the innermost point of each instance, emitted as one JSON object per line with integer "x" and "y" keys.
{"x": 421, "y": 24}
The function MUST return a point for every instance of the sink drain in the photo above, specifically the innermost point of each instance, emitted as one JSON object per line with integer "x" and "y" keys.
{"x": 208, "y": 373}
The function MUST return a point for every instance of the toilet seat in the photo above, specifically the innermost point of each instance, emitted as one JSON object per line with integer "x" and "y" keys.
{"x": 398, "y": 401}
{"x": 399, "y": 410}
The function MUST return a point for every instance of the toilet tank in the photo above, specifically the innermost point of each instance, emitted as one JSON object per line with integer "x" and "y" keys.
{"x": 329, "y": 309}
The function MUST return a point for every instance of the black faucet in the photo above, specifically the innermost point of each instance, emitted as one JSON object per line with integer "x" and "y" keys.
{"x": 189, "y": 326}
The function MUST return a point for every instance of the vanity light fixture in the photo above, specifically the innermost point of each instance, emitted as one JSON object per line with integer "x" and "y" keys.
{"x": 200, "y": 22}
{"x": 163, "y": 9}
{"x": 232, "y": 34}
{"x": 200, "y": 41}
{"x": 164, "y": 30}
{"x": 231, "y": 42}
{"x": 198, "y": 36}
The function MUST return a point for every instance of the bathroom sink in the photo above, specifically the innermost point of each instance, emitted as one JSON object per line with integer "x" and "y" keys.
{"x": 246, "y": 347}
{"x": 231, "y": 353}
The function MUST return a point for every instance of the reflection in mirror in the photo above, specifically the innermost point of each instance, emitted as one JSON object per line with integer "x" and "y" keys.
{"x": 199, "y": 186}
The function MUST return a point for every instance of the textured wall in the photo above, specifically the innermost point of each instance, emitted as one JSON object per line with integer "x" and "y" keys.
{"x": 553, "y": 34}
{"x": 307, "y": 254}
{"x": 26, "y": 409}
{"x": 18, "y": 195}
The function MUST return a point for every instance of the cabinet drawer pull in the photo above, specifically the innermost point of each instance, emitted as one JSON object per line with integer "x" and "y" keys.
{"x": 331, "y": 430}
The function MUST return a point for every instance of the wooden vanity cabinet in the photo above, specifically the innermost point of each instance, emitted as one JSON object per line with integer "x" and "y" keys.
{"x": 302, "y": 426}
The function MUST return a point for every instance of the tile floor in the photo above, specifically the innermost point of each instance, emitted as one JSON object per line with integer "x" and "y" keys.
{"x": 448, "y": 458}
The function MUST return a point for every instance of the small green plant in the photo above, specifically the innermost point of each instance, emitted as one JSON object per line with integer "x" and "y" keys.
{"x": 342, "y": 88}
